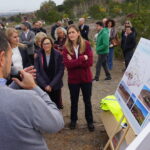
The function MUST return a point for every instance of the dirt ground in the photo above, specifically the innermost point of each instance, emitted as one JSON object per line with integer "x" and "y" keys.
{"x": 81, "y": 138}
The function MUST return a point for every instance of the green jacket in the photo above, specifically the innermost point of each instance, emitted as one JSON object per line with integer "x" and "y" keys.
{"x": 102, "y": 42}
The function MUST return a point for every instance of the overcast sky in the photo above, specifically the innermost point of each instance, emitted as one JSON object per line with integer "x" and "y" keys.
{"x": 22, "y": 5}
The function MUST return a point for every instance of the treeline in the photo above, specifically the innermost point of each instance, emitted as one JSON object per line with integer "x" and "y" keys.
{"x": 96, "y": 9}
{"x": 137, "y": 11}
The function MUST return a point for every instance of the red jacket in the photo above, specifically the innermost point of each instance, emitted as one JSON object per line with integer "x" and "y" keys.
{"x": 79, "y": 69}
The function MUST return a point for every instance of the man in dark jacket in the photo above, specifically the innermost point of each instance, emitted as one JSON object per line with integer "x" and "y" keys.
{"x": 41, "y": 27}
{"x": 35, "y": 28}
{"x": 58, "y": 24}
{"x": 84, "y": 29}
{"x": 128, "y": 43}
{"x": 38, "y": 27}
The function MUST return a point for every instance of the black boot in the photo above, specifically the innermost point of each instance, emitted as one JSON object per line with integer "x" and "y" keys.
{"x": 72, "y": 125}
{"x": 91, "y": 127}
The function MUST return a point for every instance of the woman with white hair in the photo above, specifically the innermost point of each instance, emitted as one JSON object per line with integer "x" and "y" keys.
{"x": 60, "y": 35}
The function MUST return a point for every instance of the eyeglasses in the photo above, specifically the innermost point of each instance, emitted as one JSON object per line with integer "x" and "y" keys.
{"x": 46, "y": 43}
{"x": 127, "y": 23}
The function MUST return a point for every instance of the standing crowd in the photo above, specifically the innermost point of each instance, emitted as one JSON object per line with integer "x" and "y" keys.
{"x": 68, "y": 47}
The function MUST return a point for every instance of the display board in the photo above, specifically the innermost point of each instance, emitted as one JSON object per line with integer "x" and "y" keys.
{"x": 133, "y": 92}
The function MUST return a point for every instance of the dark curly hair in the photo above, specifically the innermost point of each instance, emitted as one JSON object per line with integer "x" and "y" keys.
{"x": 112, "y": 21}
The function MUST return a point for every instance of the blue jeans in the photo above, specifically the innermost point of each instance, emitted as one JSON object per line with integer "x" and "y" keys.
{"x": 110, "y": 58}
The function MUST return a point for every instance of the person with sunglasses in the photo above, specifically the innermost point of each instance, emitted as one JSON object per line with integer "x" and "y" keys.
{"x": 128, "y": 24}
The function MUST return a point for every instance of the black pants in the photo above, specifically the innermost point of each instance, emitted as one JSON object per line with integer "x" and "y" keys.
{"x": 74, "y": 94}
{"x": 102, "y": 61}
{"x": 127, "y": 56}
{"x": 55, "y": 97}
{"x": 31, "y": 57}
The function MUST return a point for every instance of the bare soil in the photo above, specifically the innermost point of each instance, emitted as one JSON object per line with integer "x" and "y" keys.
{"x": 81, "y": 138}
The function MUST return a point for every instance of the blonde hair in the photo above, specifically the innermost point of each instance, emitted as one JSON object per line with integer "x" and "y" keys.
{"x": 129, "y": 23}
{"x": 9, "y": 32}
{"x": 80, "y": 41}
{"x": 39, "y": 36}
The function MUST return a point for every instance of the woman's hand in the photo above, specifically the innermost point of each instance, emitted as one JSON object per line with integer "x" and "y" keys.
{"x": 48, "y": 88}
{"x": 69, "y": 57}
{"x": 86, "y": 57}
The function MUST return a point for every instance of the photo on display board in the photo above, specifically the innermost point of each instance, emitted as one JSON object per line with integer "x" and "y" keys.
{"x": 131, "y": 101}
{"x": 124, "y": 91}
{"x": 144, "y": 97}
{"x": 139, "y": 112}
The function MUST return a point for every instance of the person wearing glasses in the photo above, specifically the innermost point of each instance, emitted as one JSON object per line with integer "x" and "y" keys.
{"x": 50, "y": 69}
{"x": 128, "y": 24}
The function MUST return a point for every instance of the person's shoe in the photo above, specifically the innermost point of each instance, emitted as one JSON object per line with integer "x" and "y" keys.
{"x": 95, "y": 79}
{"x": 72, "y": 125}
{"x": 108, "y": 78}
{"x": 91, "y": 127}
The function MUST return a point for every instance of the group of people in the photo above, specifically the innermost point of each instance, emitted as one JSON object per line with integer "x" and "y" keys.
{"x": 106, "y": 41}
{"x": 69, "y": 48}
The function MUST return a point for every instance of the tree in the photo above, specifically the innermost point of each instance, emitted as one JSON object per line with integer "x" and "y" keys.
{"x": 48, "y": 12}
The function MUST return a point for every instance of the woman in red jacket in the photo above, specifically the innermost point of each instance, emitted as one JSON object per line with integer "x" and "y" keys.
{"x": 78, "y": 58}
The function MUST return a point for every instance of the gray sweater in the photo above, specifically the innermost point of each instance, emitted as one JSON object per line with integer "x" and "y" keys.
{"x": 24, "y": 116}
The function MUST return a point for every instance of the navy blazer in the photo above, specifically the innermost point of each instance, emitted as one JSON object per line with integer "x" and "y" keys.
{"x": 42, "y": 78}
{"x": 84, "y": 32}
{"x": 25, "y": 58}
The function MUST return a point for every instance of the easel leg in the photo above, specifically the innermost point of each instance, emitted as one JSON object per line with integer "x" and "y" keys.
{"x": 116, "y": 129}
{"x": 122, "y": 138}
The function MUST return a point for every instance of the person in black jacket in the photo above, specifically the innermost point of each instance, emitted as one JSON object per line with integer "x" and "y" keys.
{"x": 35, "y": 28}
{"x": 84, "y": 29}
{"x": 128, "y": 43}
{"x": 41, "y": 27}
{"x": 20, "y": 59}
{"x": 54, "y": 27}
{"x": 129, "y": 24}
{"x": 50, "y": 70}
